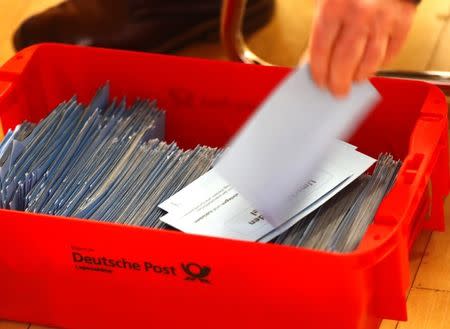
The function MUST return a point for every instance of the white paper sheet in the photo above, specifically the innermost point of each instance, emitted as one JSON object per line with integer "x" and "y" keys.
{"x": 211, "y": 206}
{"x": 279, "y": 148}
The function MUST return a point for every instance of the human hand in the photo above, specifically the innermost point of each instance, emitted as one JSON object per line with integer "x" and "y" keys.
{"x": 351, "y": 39}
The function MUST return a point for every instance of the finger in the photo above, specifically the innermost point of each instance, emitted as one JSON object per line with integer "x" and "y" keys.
{"x": 399, "y": 33}
{"x": 395, "y": 44}
{"x": 373, "y": 57}
{"x": 347, "y": 54}
{"x": 323, "y": 39}
{"x": 305, "y": 57}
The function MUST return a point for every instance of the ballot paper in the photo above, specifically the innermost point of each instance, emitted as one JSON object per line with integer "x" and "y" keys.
{"x": 279, "y": 148}
{"x": 211, "y": 206}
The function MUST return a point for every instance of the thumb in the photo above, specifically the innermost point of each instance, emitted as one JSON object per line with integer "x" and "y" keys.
{"x": 304, "y": 58}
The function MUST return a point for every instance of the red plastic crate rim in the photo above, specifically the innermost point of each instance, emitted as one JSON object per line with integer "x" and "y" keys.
{"x": 150, "y": 278}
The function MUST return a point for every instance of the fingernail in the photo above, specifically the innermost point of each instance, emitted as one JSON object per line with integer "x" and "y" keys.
{"x": 360, "y": 77}
{"x": 321, "y": 84}
{"x": 318, "y": 79}
{"x": 341, "y": 93}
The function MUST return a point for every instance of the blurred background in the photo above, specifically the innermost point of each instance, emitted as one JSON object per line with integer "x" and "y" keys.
{"x": 285, "y": 38}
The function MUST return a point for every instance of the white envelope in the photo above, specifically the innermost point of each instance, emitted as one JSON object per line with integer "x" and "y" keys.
{"x": 282, "y": 144}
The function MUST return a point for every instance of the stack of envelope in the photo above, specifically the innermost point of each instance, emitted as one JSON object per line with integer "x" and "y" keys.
{"x": 109, "y": 162}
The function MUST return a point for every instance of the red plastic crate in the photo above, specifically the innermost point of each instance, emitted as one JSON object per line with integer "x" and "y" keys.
{"x": 250, "y": 285}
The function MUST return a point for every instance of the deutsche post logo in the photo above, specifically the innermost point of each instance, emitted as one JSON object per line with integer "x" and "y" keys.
{"x": 196, "y": 272}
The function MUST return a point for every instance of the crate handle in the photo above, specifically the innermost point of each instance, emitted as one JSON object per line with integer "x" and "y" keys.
{"x": 232, "y": 17}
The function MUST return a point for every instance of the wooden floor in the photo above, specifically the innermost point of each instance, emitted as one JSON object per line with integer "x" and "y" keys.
{"x": 282, "y": 42}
